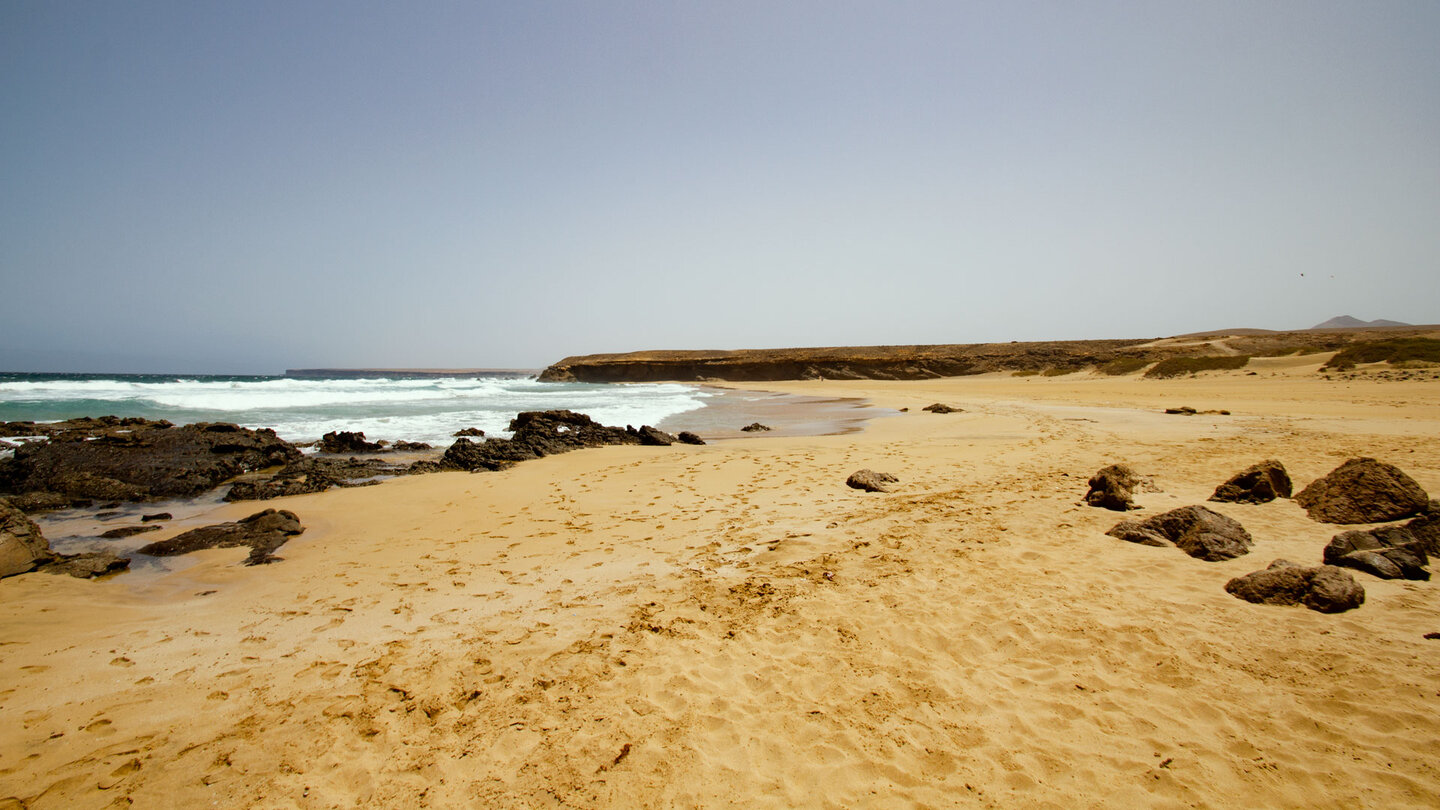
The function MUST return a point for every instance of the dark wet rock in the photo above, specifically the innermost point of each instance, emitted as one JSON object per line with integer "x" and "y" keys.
{"x": 1388, "y": 552}
{"x": 686, "y": 437}
{"x": 755, "y": 427}
{"x": 652, "y": 437}
{"x": 155, "y": 517}
{"x": 534, "y": 434}
{"x": 144, "y": 463}
{"x": 1323, "y": 588}
{"x": 1114, "y": 488}
{"x": 47, "y": 501}
{"x": 1198, "y": 531}
{"x": 1426, "y": 529}
{"x": 23, "y": 549}
{"x": 128, "y": 531}
{"x": 86, "y": 566}
{"x": 1183, "y": 410}
{"x": 263, "y": 532}
{"x": 410, "y": 447}
{"x": 83, "y": 427}
{"x": 469, "y": 431}
{"x": 310, "y": 474}
{"x": 344, "y": 441}
{"x": 22, "y": 546}
{"x": 1260, "y": 483}
{"x": 870, "y": 481}
{"x": 941, "y": 408}
{"x": 1363, "y": 490}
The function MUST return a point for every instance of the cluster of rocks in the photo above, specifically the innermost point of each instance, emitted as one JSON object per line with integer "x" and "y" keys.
{"x": 23, "y": 548}
{"x": 535, "y": 434}
{"x": 1362, "y": 490}
{"x": 939, "y": 407}
{"x": 343, "y": 442}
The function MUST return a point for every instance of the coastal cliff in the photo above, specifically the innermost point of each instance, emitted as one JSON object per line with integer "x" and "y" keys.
{"x": 955, "y": 360}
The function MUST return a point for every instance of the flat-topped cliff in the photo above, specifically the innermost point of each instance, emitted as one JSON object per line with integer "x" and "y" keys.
{"x": 952, "y": 360}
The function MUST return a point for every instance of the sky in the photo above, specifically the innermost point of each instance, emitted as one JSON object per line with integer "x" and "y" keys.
{"x": 245, "y": 187}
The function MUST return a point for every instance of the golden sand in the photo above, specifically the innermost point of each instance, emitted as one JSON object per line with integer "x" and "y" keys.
{"x": 731, "y": 626}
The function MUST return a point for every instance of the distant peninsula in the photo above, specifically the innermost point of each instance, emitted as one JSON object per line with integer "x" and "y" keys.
{"x": 354, "y": 373}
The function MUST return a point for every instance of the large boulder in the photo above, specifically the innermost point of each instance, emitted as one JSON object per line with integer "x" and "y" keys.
{"x": 1426, "y": 529}
{"x": 870, "y": 481}
{"x": 1363, "y": 490}
{"x": 147, "y": 462}
{"x": 262, "y": 532}
{"x": 1198, "y": 531}
{"x": 1323, "y": 588}
{"x": 22, "y": 546}
{"x": 1260, "y": 483}
{"x": 1114, "y": 488}
{"x": 1388, "y": 552}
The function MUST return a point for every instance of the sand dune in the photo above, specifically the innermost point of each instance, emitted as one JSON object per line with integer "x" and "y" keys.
{"x": 729, "y": 625}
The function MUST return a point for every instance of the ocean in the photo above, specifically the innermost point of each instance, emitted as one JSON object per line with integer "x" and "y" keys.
{"x": 302, "y": 409}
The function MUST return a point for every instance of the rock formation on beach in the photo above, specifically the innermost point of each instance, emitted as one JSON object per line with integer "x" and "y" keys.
{"x": 543, "y": 433}
{"x": 1322, "y": 588}
{"x": 1258, "y": 483}
{"x": 143, "y": 463}
{"x": 871, "y": 481}
{"x": 1198, "y": 531}
{"x": 23, "y": 548}
{"x": 1113, "y": 488}
{"x": 1363, "y": 490}
{"x": 263, "y": 532}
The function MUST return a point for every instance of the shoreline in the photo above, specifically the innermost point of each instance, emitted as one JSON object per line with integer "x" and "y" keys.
{"x": 722, "y": 624}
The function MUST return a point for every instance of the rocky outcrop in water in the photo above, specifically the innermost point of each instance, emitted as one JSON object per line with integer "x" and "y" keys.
{"x": 1363, "y": 490}
{"x": 263, "y": 532}
{"x": 535, "y": 434}
{"x": 23, "y": 548}
{"x": 143, "y": 463}
{"x": 340, "y": 442}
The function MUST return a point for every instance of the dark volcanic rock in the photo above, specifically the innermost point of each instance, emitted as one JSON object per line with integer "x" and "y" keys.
{"x": 755, "y": 427}
{"x": 344, "y": 441}
{"x": 149, "y": 462}
{"x": 408, "y": 447}
{"x": 941, "y": 408}
{"x": 86, "y": 566}
{"x": 262, "y": 532}
{"x": 1200, "y": 532}
{"x": 128, "y": 531}
{"x": 311, "y": 474}
{"x": 1113, "y": 488}
{"x": 470, "y": 431}
{"x": 652, "y": 437}
{"x": 1363, "y": 490}
{"x": 154, "y": 517}
{"x": 1261, "y": 483}
{"x": 22, "y": 546}
{"x": 870, "y": 481}
{"x": 535, "y": 434}
{"x": 1324, "y": 588}
{"x": 686, "y": 437}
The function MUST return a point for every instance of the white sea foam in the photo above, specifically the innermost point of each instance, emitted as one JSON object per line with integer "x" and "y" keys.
{"x": 427, "y": 409}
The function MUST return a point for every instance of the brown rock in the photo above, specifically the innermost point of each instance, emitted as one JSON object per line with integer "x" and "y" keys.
{"x": 262, "y": 532}
{"x": 1260, "y": 483}
{"x": 1324, "y": 588}
{"x": 870, "y": 481}
{"x": 1198, "y": 531}
{"x": 1113, "y": 488}
{"x": 22, "y": 546}
{"x": 1363, "y": 490}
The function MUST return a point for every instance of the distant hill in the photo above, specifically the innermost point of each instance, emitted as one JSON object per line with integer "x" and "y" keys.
{"x": 1347, "y": 322}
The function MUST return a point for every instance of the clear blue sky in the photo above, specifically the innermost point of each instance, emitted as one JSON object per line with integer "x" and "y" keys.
{"x": 251, "y": 186}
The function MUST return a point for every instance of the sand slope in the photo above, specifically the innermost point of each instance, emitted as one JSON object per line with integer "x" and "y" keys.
{"x": 729, "y": 625}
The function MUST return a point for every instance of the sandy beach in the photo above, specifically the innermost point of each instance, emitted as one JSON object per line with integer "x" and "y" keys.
{"x": 729, "y": 625}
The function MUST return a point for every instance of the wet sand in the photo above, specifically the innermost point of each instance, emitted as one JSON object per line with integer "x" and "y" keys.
{"x": 729, "y": 625}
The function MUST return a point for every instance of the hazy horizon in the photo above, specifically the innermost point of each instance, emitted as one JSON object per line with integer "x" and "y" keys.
{"x": 246, "y": 188}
